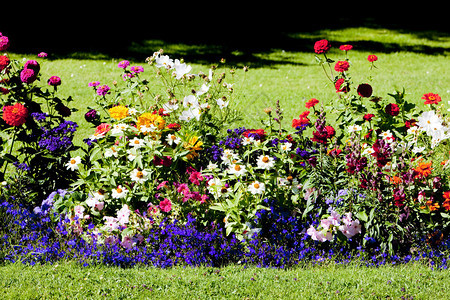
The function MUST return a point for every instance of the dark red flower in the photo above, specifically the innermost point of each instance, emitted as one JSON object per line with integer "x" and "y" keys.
{"x": 392, "y": 109}
{"x": 364, "y": 90}
{"x": 410, "y": 123}
{"x": 322, "y": 46}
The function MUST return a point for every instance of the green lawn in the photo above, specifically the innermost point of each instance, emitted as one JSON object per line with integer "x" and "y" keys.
{"x": 287, "y": 71}
{"x": 234, "y": 282}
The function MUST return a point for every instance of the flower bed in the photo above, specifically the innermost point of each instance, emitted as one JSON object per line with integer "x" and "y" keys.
{"x": 163, "y": 181}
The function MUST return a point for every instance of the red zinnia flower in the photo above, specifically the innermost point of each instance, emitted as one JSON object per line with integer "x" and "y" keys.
{"x": 258, "y": 134}
{"x": 431, "y": 98}
{"x": 102, "y": 128}
{"x": 15, "y": 115}
{"x": 322, "y": 46}
{"x": 311, "y": 103}
{"x": 4, "y": 62}
{"x": 364, "y": 90}
{"x": 342, "y": 66}
{"x": 340, "y": 87}
{"x": 372, "y": 58}
{"x": 346, "y": 47}
{"x": 330, "y": 131}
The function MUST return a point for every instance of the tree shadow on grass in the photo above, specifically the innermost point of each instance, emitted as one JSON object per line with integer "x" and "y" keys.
{"x": 239, "y": 43}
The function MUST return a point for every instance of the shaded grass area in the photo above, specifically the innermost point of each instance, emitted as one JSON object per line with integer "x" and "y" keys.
{"x": 415, "y": 281}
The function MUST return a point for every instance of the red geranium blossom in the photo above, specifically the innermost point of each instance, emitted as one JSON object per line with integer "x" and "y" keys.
{"x": 322, "y": 46}
{"x": 372, "y": 58}
{"x": 342, "y": 66}
{"x": 431, "y": 98}
{"x": 311, "y": 103}
{"x": 368, "y": 117}
{"x": 15, "y": 115}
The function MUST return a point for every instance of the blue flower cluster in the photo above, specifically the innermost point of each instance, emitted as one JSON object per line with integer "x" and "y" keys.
{"x": 32, "y": 237}
{"x": 58, "y": 138}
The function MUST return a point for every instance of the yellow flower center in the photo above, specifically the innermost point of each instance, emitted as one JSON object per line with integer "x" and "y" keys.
{"x": 139, "y": 174}
{"x": 256, "y": 185}
{"x": 265, "y": 159}
{"x": 237, "y": 167}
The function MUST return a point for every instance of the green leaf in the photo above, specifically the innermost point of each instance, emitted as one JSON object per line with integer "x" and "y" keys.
{"x": 362, "y": 216}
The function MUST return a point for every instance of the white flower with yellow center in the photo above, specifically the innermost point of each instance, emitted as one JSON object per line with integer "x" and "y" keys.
{"x": 139, "y": 176}
{"x": 237, "y": 169}
{"x": 119, "y": 192}
{"x": 265, "y": 162}
{"x": 256, "y": 187}
{"x": 73, "y": 163}
{"x": 354, "y": 128}
{"x": 172, "y": 139}
{"x": 136, "y": 143}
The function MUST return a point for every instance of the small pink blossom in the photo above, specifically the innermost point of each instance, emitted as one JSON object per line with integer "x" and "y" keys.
{"x": 165, "y": 205}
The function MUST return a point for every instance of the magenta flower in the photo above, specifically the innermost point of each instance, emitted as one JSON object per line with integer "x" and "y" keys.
{"x": 54, "y": 81}
{"x": 123, "y": 64}
{"x": 103, "y": 90}
{"x": 42, "y": 55}
{"x": 33, "y": 65}
{"x": 94, "y": 83}
{"x": 28, "y": 76}
{"x": 165, "y": 205}
{"x": 136, "y": 69}
{"x": 4, "y": 42}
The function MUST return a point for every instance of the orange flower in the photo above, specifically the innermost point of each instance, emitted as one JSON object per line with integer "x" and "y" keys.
{"x": 446, "y": 204}
{"x": 431, "y": 206}
{"x": 423, "y": 169}
{"x": 395, "y": 180}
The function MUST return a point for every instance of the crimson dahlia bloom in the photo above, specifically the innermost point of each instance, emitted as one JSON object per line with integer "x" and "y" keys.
{"x": 15, "y": 115}
{"x": 322, "y": 46}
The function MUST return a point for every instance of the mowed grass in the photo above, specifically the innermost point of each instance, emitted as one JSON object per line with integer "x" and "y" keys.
{"x": 70, "y": 280}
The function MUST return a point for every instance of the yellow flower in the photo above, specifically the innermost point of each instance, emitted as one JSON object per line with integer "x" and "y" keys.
{"x": 149, "y": 122}
{"x": 118, "y": 112}
{"x": 193, "y": 145}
